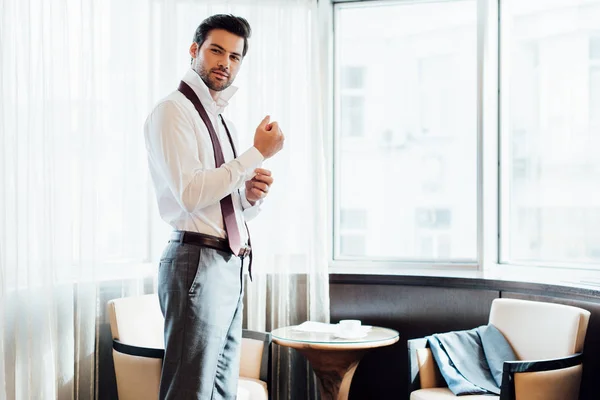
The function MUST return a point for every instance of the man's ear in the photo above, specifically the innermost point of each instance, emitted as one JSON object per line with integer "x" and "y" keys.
{"x": 194, "y": 50}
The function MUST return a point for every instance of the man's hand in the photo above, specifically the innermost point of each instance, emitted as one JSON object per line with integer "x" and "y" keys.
{"x": 258, "y": 187}
{"x": 268, "y": 138}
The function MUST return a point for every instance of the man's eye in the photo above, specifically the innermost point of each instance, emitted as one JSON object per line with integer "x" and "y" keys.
{"x": 215, "y": 51}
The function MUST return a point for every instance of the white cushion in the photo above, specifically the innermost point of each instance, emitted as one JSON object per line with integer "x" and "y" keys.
{"x": 242, "y": 393}
{"x": 537, "y": 330}
{"x": 253, "y": 388}
{"x": 445, "y": 394}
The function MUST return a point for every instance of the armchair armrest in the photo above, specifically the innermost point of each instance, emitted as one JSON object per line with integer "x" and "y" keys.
{"x": 265, "y": 360}
{"x": 147, "y": 352}
{"x": 137, "y": 370}
{"x": 513, "y": 367}
{"x": 414, "y": 379}
{"x": 559, "y": 378}
{"x": 423, "y": 370}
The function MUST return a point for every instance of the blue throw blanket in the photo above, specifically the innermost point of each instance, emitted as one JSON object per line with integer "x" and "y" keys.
{"x": 471, "y": 361}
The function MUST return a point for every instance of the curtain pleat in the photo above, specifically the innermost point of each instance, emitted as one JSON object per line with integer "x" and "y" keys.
{"x": 78, "y": 219}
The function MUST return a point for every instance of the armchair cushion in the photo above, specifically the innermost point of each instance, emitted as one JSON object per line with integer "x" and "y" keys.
{"x": 254, "y": 389}
{"x": 445, "y": 394}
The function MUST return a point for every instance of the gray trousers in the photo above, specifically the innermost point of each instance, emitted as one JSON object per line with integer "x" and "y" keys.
{"x": 200, "y": 293}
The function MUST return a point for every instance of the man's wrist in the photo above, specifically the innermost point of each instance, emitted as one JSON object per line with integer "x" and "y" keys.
{"x": 246, "y": 202}
{"x": 262, "y": 152}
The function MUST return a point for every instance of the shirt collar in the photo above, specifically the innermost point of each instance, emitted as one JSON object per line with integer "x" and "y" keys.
{"x": 199, "y": 87}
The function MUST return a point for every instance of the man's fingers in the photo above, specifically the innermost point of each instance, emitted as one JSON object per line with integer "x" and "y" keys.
{"x": 263, "y": 178}
{"x": 265, "y": 122}
{"x": 262, "y": 171}
{"x": 263, "y": 187}
{"x": 259, "y": 185}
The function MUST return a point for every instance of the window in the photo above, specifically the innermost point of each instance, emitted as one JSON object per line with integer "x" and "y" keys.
{"x": 353, "y": 219}
{"x": 406, "y": 139}
{"x": 352, "y": 101}
{"x": 353, "y": 229}
{"x": 550, "y": 106}
{"x": 353, "y": 78}
{"x": 433, "y": 232}
{"x": 434, "y": 219}
{"x": 353, "y": 108}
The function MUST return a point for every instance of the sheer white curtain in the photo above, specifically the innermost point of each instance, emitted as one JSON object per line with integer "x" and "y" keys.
{"x": 77, "y": 217}
{"x": 74, "y": 201}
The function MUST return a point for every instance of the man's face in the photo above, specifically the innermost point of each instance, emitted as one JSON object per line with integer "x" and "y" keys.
{"x": 219, "y": 59}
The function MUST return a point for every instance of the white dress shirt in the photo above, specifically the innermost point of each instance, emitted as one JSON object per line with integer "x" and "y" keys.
{"x": 188, "y": 186}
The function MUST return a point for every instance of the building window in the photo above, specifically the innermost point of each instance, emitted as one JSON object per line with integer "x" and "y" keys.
{"x": 352, "y": 112}
{"x": 437, "y": 218}
{"x": 353, "y": 232}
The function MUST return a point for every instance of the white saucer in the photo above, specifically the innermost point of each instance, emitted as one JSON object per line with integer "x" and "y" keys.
{"x": 346, "y": 336}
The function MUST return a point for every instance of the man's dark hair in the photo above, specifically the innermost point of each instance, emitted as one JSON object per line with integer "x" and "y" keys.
{"x": 230, "y": 23}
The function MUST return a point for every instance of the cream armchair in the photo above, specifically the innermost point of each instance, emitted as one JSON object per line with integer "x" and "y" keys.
{"x": 546, "y": 338}
{"x": 136, "y": 324}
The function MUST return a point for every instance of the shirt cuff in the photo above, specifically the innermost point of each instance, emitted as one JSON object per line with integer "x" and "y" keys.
{"x": 250, "y": 211}
{"x": 250, "y": 160}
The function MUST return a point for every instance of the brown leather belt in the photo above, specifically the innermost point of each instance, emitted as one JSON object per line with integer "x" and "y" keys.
{"x": 200, "y": 239}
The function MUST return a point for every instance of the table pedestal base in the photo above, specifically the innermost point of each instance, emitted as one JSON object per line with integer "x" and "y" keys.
{"x": 334, "y": 370}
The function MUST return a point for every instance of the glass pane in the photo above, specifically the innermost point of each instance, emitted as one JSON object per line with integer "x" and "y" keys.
{"x": 595, "y": 99}
{"x": 353, "y": 115}
{"x": 353, "y": 219}
{"x": 595, "y": 47}
{"x": 550, "y": 131}
{"x": 406, "y": 130}
{"x": 353, "y": 245}
{"x": 353, "y": 77}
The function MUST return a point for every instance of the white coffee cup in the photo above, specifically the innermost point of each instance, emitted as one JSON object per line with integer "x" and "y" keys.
{"x": 350, "y": 327}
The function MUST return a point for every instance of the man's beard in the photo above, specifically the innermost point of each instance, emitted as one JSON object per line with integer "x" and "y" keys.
{"x": 213, "y": 84}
